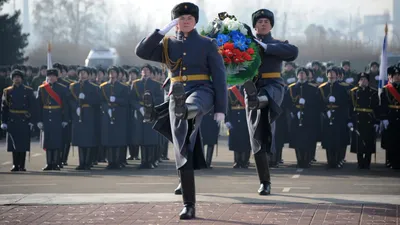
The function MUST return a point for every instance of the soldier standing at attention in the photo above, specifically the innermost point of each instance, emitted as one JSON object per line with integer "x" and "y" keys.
{"x": 84, "y": 104}
{"x": 53, "y": 116}
{"x": 18, "y": 115}
{"x": 265, "y": 93}
{"x": 114, "y": 109}
{"x": 198, "y": 83}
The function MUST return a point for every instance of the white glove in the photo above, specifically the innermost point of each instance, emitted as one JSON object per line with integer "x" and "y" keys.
{"x": 228, "y": 125}
{"x": 349, "y": 80}
{"x": 298, "y": 115}
{"x": 219, "y": 117}
{"x": 262, "y": 44}
{"x": 78, "y": 111}
{"x": 385, "y": 123}
{"x": 376, "y": 126}
{"x": 81, "y": 96}
{"x": 332, "y": 99}
{"x": 168, "y": 27}
{"x": 35, "y": 93}
{"x": 64, "y": 124}
{"x": 377, "y": 77}
{"x": 30, "y": 126}
{"x": 350, "y": 125}
{"x": 329, "y": 113}
{"x": 302, "y": 101}
{"x": 141, "y": 111}
{"x": 109, "y": 113}
{"x": 291, "y": 80}
{"x": 40, "y": 125}
{"x": 112, "y": 99}
{"x": 4, "y": 126}
{"x": 320, "y": 79}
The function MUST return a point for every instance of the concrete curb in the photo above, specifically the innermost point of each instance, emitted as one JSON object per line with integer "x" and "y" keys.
{"x": 115, "y": 198}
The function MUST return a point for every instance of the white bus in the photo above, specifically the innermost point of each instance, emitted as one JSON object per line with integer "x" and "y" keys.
{"x": 103, "y": 57}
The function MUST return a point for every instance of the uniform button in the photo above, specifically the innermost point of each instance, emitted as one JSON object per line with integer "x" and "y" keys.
{"x": 184, "y": 53}
{"x": 49, "y": 111}
{"x": 184, "y": 68}
{"x": 239, "y": 121}
{"x": 50, "y": 120}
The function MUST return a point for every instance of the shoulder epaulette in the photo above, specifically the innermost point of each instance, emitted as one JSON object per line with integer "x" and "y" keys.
{"x": 291, "y": 85}
{"x": 136, "y": 80}
{"x": 8, "y": 88}
{"x": 314, "y": 85}
{"x": 157, "y": 81}
{"x": 27, "y": 87}
{"x": 93, "y": 84}
{"x": 104, "y": 83}
{"x": 124, "y": 84}
{"x": 323, "y": 84}
{"x": 344, "y": 84}
{"x": 354, "y": 88}
{"x": 62, "y": 85}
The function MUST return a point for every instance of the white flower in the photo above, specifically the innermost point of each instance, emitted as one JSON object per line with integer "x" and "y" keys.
{"x": 208, "y": 28}
{"x": 233, "y": 25}
{"x": 242, "y": 29}
{"x": 226, "y": 22}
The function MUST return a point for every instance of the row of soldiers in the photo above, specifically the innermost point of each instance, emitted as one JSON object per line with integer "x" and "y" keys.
{"x": 103, "y": 117}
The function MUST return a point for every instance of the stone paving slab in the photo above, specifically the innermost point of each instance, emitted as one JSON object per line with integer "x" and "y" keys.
{"x": 207, "y": 213}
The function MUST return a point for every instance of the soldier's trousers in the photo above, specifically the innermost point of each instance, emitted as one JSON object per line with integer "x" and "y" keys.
{"x": 364, "y": 160}
{"x": 332, "y": 156}
{"x": 101, "y": 153}
{"x": 303, "y": 157}
{"x": 164, "y": 149}
{"x": 53, "y": 157}
{"x": 134, "y": 151}
{"x": 85, "y": 158}
{"x": 65, "y": 152}
{"x": 242, "y": 158}
{"x": 262, "y": 166}
{"x": 209, "y": 155}
{"x": 186, "y": 175}
{"x": 394, "y": 158}
{"x": 19, "y": 159}
{"x": 113, "y": 157}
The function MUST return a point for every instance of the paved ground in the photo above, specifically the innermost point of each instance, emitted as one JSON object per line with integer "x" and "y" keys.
{"x": 226, "y": 196}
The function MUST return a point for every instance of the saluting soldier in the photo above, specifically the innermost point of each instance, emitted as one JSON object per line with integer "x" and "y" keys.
{"x": 85, "y": 101}
{"x": 365, "y": 122}
{"x": 193, "y": 94}
{"x": 302, "y": 101}
{"x": 390, "y": 116}
{"x": 235, "y": 121}
{"x": 53, "y": 116}
{"x": 114, "y": 109}
{"x": 265, "y": 95}
{"x": 18, "y": 115}
{"x": 334, "y": 106}
{"x": 67, "y": 131}
{"x": 209, "y": 130}
{"x": 145, "y": 136}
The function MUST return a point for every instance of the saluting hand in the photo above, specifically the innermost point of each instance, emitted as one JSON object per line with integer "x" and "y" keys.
{"x": 168, "y": 27}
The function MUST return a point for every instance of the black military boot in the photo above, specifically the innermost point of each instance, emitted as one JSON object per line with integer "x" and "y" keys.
{"x": 88, "y": 159}
{"x": 244, "y": 160}
{"x": 188, "y": 194}
{"x": 15, "y": 162}
{"x": 253, "y": 101}
{"x": 178, "y": 190}
{"x": 117, "y": 158}
{"x": 81, "y": 153}
{"x": 122, "y": 157}
{"x": 367, "y": 161}
{"x": 262, "y": 166}
{"x": 22, "y": 158}
{"x": 65, "y": 153}
{"x": 135, "y": 152}
{"x": 143, "y": 158}
{"x": 131, "y": 150}
{"x": 49, "y": 158}
{"x": 56, "y": 159}
{"x": 237, "y": 160}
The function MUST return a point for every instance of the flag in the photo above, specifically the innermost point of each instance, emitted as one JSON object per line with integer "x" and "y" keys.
{"x": 383, "y": 77}
{"x": 49, "y": 63}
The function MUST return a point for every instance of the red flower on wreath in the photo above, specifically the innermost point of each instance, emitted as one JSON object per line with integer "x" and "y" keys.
{"x": 229, "y": 46}
{"x": 246, "y": 56}
{"x": 228, "y": 53}
{"x": 250, "y": 51}
{"x": 227, "y": 60}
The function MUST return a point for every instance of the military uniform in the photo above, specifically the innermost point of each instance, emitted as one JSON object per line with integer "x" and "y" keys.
{"x": 390, "y": 116}
{"x": 145, "y": 136}
{"x": 239, "y": 140}
{"x": 364, "y": 112}
{"x": 53, "y": 114}
{"x": 335, "y": 119}
{"x": 319, "y": 75}
{"x": 349, "y": 76}
{"x": 85, "y": 101}
{"x": 289, "y": 77}
{"x": 303, "y": 137}
{"x": 18, "y": 116}
{"x": 113, "y": 119}
{"x": 133, "y": 121}
{"x": 264, "y": 96}
{"x": 373, "y": 75}
{"x": 209, "y": 130}
{"x": 193, "y": 61}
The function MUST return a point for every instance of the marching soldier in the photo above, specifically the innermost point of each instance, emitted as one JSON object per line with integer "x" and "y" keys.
{"x": 289, "y": 73}
{"x": 53, "y": 116}
{"x": 265, "y": 95}
{"x": 145, "y": 136}
{"x": 303, "y": 105}
{"x": 209, "y": 130}
{"x": 365, "y": 124}
{"x": 114, "y": 109}
{"x": 334, "y": 106}
{"x": 133, "y": 119}
{"x": 85, "y": 101}
{"x": 235, "y": 121}
{"x": 193, "y": 94}
{"x": 390, "y": 116}
{"x": 349, "y": 76}
{"x": 17, "y": 117}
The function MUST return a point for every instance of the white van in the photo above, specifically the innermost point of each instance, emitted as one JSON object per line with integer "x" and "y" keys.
{"x": 103, "y": 57}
